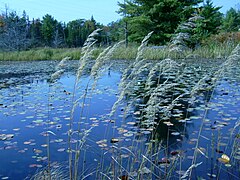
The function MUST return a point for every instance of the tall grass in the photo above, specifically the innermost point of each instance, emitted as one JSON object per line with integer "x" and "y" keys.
{"x": 44, "y": 54}
{"x": 164, "y": 85}
{"x": 207, "y": 50}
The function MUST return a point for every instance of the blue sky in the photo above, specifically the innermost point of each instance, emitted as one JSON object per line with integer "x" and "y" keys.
{"x": 103, "y": 11}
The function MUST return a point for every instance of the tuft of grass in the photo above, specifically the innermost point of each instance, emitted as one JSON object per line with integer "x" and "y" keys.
{"x": 41, "y": 54}
{"x": 128, "y": 53}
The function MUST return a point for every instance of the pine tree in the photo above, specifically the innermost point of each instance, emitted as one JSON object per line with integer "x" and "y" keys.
{"x": 48, "y": 29}
{"x": 160, "y": 16}
{"x": 231, "y": 22}
{"x": 212, "y": 18}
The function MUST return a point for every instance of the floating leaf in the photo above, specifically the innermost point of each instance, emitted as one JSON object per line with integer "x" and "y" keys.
{"x": 131, "y": 123}
{"x": 168, "y": 123}
{"x": 175, "y": 133}
{"x": 6, "y": 137}
{"x": 128, "y": 134}
{"x": 32, "y": 165}
{"x": 224, "y": 159}
{"x": 237, "y": 157}
{"x": 212, "y": 175}
{"x": 114, "y": 140}
{"x": 61, "y": 150}
{"x": 27, "y": 142}
{"x": 44, "y": 145}
{"x": 39, "y": 121}
{"x": 228, "y": 165}
{"x": 102, "y": 145}
{"x": 164, "y": 161}
{"x": 37, "y": 151}
{"x": 5, "y": 177}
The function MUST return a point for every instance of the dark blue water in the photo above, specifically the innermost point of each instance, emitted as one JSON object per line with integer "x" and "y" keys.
{"x": 30, "y": 106}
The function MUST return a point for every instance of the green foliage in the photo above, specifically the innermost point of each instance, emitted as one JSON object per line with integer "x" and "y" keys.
{"x": 232, "y": 21}
{"x": 48, "y": 28}
{"x": 160, "y": 16}
{"x": 139, "y": 27}
{"x": 212, "y": 18}
{"x": 74, "y": 33}
{"x": 210, "y": 49}
{"x": 78, "y": 30}
{"x": 205, "y": 21}
{"x": 35, "y": 33}
{"x": 140, "y": 17}
{"x": 113, "y": 32}
{"x": 19, "y": 33}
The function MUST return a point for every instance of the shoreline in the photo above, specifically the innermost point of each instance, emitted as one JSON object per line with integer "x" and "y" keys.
{"x": 217, "y": 51}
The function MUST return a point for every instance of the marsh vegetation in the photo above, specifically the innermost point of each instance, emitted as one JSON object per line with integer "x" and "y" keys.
{"x": 120, "y": 119}
{"x": 163, "y": 106}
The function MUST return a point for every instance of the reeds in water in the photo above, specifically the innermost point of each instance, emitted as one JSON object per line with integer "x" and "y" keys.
{"x": 162, "y": 86}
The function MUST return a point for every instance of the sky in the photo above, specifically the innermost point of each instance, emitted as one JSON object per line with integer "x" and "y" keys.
{"x": 103, "y": 11}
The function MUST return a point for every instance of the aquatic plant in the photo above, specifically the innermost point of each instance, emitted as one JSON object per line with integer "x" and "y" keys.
{"x": 58, "y": 171}
{"x": 59, "y": 70}
{"x": 102, "y": 58}
{"x": 183, "y": 38}
{"x": 149, "y": 120}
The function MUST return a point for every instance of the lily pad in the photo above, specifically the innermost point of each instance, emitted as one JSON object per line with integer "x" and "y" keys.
{"x": 6, "y": 137}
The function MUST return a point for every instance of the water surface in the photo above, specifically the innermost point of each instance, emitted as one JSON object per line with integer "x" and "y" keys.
{"x": 31, "y": 108}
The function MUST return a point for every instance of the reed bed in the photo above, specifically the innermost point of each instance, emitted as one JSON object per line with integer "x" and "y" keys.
{"x": 210, "y": 50}
{"x": 159, "y": 95}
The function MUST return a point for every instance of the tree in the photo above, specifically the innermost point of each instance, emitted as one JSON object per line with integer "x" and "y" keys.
{"x": 89, "y": 27}
{"x": 74, "y": 33}
{"x": 35, "y": 33}
{"x": 14, "y": 31}
{"x": 212, "y": 18}
{"x": 160, "y": 16}
{"x": 48, "y": 29}
{"x": 231, "y": 22}
{"x": 59, "y": 36}
{"x": 208, "y": 23}
{"x": 115, "y": 30}
{"x": 78, "y": 30}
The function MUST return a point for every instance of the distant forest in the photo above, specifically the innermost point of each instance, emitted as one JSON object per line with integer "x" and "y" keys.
{"x": 139, "y": 17}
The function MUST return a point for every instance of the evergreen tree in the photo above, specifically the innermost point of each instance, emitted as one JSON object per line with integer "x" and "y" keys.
{"x": 211, "y": 18}
{"x": 75, "y": 33}
{"x": 35, "y": 33}
{"x": 232, "y": 21}
{"x": 115, "y": 30}
{"x": 160, "y": 16}
{"x": 48, "y": 29}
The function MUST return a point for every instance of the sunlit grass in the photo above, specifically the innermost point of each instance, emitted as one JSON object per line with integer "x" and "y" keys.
{"x": 209, "y": 50}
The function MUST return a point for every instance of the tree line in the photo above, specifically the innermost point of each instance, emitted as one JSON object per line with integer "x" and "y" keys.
{"x": 139, "y": 17}
{"x": 20, "y": 33}
{"x": 164, "y": 16}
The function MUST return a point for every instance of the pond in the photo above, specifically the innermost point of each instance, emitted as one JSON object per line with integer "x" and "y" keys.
{"x": 43, "y": 126}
